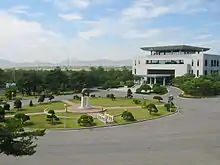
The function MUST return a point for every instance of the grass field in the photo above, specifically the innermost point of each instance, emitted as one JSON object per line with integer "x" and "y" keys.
{"x": 38, "y": 108}
{"x": 119, "y": 102}
{"x": 138, "y": 113}
{"x": 39, "y": 121}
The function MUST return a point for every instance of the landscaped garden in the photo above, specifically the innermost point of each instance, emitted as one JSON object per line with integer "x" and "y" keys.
{"x": 114, "y": 102}
{"x": 56, "y": 105}
{"x": 124, "y": 110}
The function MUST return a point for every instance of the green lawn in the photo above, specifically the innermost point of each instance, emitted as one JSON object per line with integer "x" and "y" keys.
{"x": 38, "y": 108}
{"x": 119, "y": 102}
{"x": 138, "y": 113}
{"x": 69, "y": 114}
{"x": 39, "y": 121}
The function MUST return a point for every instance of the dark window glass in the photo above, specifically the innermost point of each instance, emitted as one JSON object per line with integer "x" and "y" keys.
{"x": 147, "y": 61}
{"x": 206, "y": 62}
{"x": 192, "y": 62}
{"x": 197, "y": 62}
{"x": 211, "y": 62}
{"x": 214, "y": 62}
{"x": 135, "y": 71}
{"x": 197, "y": 73}
{"x": 217, "y": 62}
{"x": 191, "y": 71}
{"x": 205, "y": 72}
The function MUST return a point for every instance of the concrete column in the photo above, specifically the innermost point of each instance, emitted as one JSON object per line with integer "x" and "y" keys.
{"x": 82, "y": 102}
{"x": 87, "y": 101}
{"x": 155, "y": 80}
{"x": 150, "y": 80}
{"x": 164, "y": 81}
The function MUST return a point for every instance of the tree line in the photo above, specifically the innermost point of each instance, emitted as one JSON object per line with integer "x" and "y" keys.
{"x": 201, "y": 86}
{"x": 33, "y": 82}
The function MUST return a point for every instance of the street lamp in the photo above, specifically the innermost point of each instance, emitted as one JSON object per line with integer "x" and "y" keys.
{"x": 12, "y": 93}
{"x": 65, "y": 107}
{"x": 170, "y": 101}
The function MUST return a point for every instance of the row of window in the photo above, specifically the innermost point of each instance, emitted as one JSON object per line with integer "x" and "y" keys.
{"x": 197, "y": 62}
{"x": 213, "y": 62}
{"x": 205, "y": 72}
{"x": 197, "y": 72}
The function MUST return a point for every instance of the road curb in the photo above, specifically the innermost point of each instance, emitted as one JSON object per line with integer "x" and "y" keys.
{"x": 115, "y": 125}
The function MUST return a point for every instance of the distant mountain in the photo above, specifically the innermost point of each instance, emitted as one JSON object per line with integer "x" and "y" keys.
{"x": 99, "y": 62}
{"x": 72, "y": 63}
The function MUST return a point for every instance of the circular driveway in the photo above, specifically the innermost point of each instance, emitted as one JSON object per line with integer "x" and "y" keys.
{"x": 191, "y": 137}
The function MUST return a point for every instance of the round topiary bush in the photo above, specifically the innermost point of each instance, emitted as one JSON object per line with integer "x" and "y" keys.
{"x": 128, "y": 116}
{"x": 6, "y": 107}
{"x": 86, "y": 120}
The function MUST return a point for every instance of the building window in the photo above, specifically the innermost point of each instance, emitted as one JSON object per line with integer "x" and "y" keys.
{"x": 214, "y": 62}
{"x": 147, "y": 61}
{"x": 197, "y": 73}
{"x": 191, "y": 71}
{"x": 206, "y": 62}
{"x": 205, "y": 72}
{"x": 135, "y": 71}
{"x": 216, "y": 71}
{"x": 192, "y": 62}
{"x": 217, "y": 62}
{"x": 135, "y": 62}
{"x": 139, "y": 62}
{"x": 211, "y": 62}
{"x": 197, "y": 62}
{"x": 211, "y": 71}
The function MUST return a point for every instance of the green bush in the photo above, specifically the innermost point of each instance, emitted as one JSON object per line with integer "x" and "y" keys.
{"x": 86, "y": 121}
{"x": 31, "y": 103}
{"x": 6, "y": 107}
{"x": 152, "y": 108}
{"x": 127, "y": 116}
{"x": 144, "y": 87}
{"x": 76, "y": 97}
{"x": 159, "y": 89}
{"x": 2, "y": 114}
{"x": 17, "y": 104}
{"x": 22, "y": 117}
{"x": 159, "y": 98}
{"x": 137, "y": 101}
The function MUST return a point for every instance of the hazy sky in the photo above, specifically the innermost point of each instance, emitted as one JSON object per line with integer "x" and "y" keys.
{"x": 52, "y": 30}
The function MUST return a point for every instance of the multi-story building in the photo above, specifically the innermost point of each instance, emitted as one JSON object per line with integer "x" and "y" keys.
{"x": 163, "y": 63}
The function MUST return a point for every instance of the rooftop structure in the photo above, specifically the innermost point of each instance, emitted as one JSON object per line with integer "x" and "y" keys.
{"x": 186, "y": 49}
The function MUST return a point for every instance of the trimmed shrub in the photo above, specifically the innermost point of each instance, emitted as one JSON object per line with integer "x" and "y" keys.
{"x": 152, "y": 108}
{"x": 159, "y": 98}
{"x": 41, "y": 99}
{"x": 136, "y": 101}
{"x": 93, "y": 96}
{"x": 127, "y": 116}
{"x": 31, "y": 103}
{"x": 17, "y": 104}
{"x": 22, "y": 117}
{"x": 76, "y": 97}
{"x": 159, "y": 89}
{"x": 51, "y": 97}
{"x": 6, "y": 107}
{"x": 2, "y": 114}
{"x": 86, "y": 121}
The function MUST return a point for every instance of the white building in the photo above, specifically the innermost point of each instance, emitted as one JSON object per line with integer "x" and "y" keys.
{"x": 166, "y": 62}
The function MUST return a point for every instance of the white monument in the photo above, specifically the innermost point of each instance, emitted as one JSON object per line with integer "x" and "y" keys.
{"x": 85, "y": 99}
{"x": 105, "y": 118}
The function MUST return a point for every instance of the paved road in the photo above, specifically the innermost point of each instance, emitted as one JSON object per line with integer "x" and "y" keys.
{"x": 191, "y": 137}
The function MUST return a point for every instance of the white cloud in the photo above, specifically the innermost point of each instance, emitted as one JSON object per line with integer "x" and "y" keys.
{"x": 203, "y": 36}
{"x": 91, "y": 33}
{"x": 71, "y": 16}
{"x": 70, "y": 4}
{"x": 23, "y": 10}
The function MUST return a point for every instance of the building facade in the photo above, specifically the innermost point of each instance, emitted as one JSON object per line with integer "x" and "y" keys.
{"x": 166, "y": 62}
